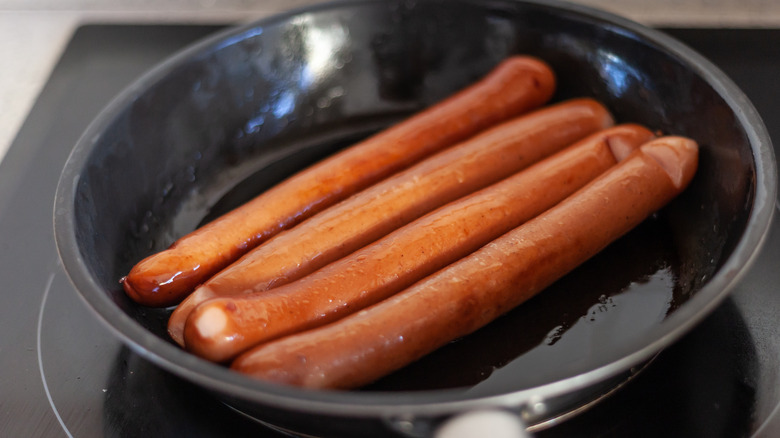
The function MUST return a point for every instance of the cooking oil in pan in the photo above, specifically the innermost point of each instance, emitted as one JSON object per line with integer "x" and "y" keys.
{"x": 613, "y": 298}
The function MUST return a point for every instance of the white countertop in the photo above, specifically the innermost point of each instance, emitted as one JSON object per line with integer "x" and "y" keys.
{"x": 33, "y": 33}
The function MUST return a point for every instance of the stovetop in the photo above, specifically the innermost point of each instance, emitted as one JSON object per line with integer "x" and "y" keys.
{"x": 63, "y": 374}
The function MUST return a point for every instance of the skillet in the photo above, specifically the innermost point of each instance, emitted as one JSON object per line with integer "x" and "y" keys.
{"x": 235, "y": 113}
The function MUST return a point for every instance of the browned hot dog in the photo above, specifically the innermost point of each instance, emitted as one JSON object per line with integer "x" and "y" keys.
{"x": 475, "y": 290}
{"x": 396, "y": 201}
{"x": 515, "y": 86}
{"x": 223, "y": 327}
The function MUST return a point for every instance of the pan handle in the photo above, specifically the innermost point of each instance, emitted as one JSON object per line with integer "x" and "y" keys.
{"x": 495, "y": 423}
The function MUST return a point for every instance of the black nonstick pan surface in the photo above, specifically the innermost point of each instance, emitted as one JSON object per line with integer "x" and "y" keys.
{"x": 224, "y": 119}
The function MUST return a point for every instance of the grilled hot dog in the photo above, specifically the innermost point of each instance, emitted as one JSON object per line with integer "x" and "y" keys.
{"x": 223, "y": 327}
{"x": 473, "y": 291}
{"x": 515, "y": 86}
{"x": 396, "y": 201}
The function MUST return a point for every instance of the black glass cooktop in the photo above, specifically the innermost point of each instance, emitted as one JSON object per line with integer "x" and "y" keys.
{"x": 63, "y": 374}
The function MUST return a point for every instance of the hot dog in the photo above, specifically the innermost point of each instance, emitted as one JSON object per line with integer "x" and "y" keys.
{"x": 223, "y": 327}
{"x": 396, "y": 201}
{"x": 515, "y": 86}
{"x": 470, "y": 293}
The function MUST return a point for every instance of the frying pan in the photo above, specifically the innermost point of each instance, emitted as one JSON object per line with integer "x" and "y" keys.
{"x": 231, "y": 115}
